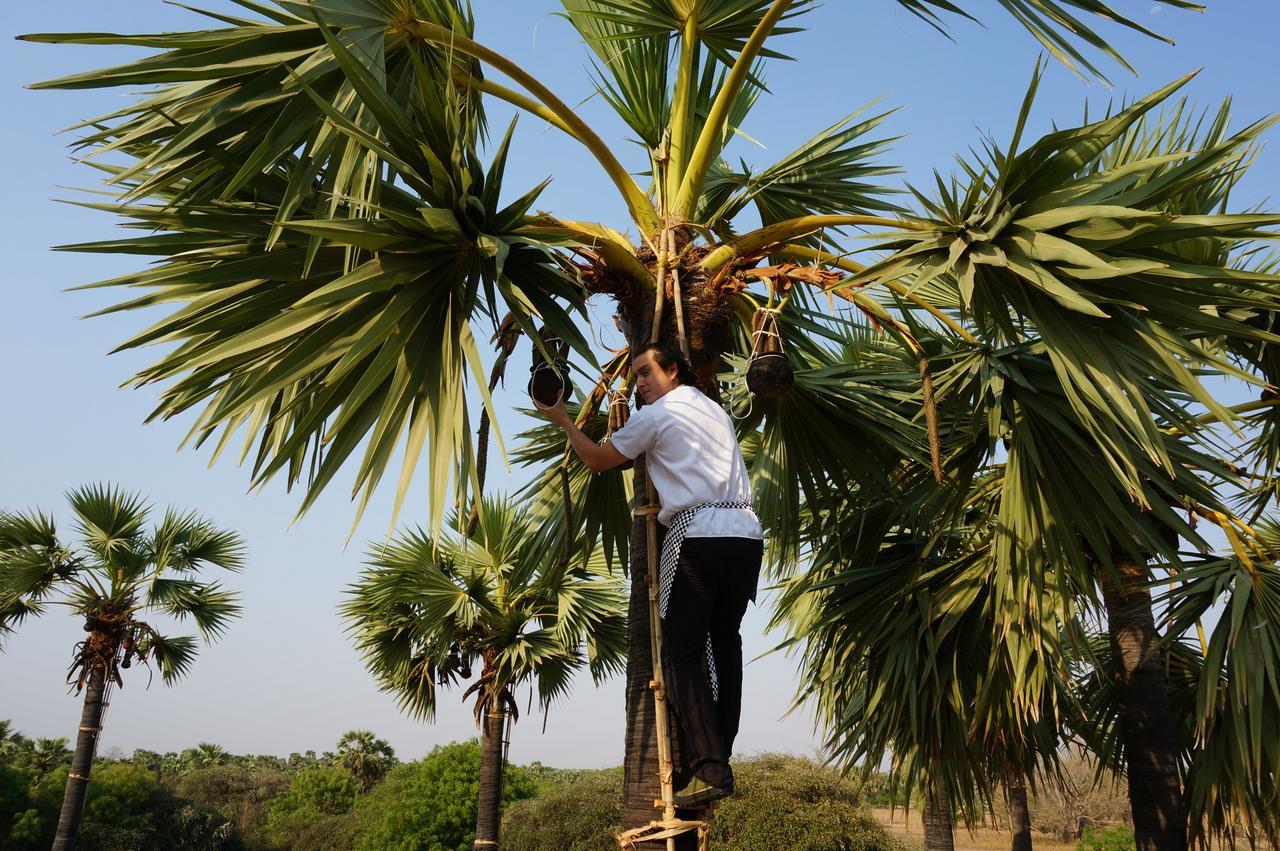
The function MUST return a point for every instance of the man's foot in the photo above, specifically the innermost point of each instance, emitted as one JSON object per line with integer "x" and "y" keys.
{"x": 700, "y": 792}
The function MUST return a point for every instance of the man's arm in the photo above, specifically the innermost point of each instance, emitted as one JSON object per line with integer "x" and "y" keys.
{"x": 597, "y": 456}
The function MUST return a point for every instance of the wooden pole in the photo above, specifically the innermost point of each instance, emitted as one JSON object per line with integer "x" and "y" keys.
{"x": 662, "y": 721}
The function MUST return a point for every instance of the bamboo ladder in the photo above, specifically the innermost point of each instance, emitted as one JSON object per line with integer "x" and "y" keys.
{"x": 668, "y": 827}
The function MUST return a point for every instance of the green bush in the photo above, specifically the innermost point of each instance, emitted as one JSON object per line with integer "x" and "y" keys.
{"x": 579, "y": 814}
{"x": 1113, "y": 839}
{"x": 14, "y": 783}
{"x": 781, "y": 802}
{"x": 27, "y": 833}
{"x": 238, "y": 794}
{"x": 431, "y": 805}
{"x": 794, "y": 803}
{"x": 312, "y": 813}
{"x": 122, "y": 795}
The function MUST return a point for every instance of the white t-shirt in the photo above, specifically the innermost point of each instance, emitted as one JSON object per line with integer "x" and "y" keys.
{"x": 693, "y": 456}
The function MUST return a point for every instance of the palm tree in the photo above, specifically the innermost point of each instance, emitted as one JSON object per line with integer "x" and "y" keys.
{"x": 204, "y": 755}
{"x": 499, "y": 603}
{"x": 311, "y": 183}
{"x": 367, "y": 757}
{"x": 1089, "y": 409}
{"x": 119, "y": 573}
{"x": 900, "y": 592}
{"x": 48, "y": 754}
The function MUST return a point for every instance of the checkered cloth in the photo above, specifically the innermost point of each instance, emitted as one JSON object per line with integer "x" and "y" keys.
{"x": 667, "y": 570}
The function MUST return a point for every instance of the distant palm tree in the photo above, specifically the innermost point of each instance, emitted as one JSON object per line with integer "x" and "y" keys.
{"x": 45, "y": 755}
{"x": 367, "y": 757}
{"x": 501, "y": 604}
{"x": 10, "y": 740}
{"x": 120, "y": 572}
{"x": 204, "y": 755}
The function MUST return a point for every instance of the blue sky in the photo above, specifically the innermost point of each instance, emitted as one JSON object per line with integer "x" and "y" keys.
{"x": 285, "y": 678}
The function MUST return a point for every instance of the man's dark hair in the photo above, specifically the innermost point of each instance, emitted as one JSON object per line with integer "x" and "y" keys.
{"x": 664, "y": 355}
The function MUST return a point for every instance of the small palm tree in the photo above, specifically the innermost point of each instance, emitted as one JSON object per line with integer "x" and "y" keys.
{"x": 204, "y": 755}
{"x": 120, "y": 573}
{"x": 44, "y": 755}
{"x": 367, "y": 757}
{"x": 490, "y": 609}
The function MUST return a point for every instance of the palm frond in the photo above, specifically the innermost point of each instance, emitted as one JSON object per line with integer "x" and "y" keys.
{"x": 109, "y": 520}
{"x": 427, "y": 610}
{"x": 174, "y": 655}
{"x": 235, "y": 95}
{"x": 208, "y": 604}
{"x": 722, "y": 26}
{"x": 632, "y": 70}
{"x": 1052, "y": 24}
{"x": 828, "y": 174}
{"x": 1234, "y": 763}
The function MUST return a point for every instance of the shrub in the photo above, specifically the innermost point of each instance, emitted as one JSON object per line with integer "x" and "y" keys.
{"x": 238, "y": 794}
{"x": 579, "y": 814}
{"x": 431, "y": 805}
{"x": 310, "y": 815}
{"x": 781, "y": 802}
{"x": 14, "y": 783}
{"x": 1113, "y": 839}
{"x": 794, "y": 803}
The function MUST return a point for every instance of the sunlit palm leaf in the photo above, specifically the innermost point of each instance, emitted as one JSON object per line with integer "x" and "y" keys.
{"x": 229, "y": 103}
{"x": 723, "y": 26}
{"x": 1235, "y": 760}
{"x": 827, "y": 174}
{"x": 428, "y": 609}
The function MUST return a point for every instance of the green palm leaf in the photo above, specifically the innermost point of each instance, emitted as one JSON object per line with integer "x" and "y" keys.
{"x": 827, "y": 174}
{"x": 1053, "y": 25}
{"x": 428, "y": 608}
{"x": 234, "y": 96}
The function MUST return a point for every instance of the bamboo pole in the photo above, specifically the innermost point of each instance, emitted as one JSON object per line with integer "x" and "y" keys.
{"x": 662, "y": 721}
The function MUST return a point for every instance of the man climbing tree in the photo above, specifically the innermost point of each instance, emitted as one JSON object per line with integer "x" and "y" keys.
{"x": 711, "y": 552}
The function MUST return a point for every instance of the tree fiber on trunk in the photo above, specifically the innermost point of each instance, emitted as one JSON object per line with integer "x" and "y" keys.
{"x": 1155, "y": 790}
{"x": 82, "y": 762}
{"x": 489, "y": 809}
{"x": 1019, "y": 818}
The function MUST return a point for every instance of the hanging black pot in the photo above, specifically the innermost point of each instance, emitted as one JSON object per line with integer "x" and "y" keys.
{"x": 769, "y": 374}
{"x": 550, "y": 380}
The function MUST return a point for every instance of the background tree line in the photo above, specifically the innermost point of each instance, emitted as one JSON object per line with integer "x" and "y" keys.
{"x": 360, "y": 796}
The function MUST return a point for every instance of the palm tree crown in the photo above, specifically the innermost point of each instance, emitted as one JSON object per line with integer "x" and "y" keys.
{"x": 120, "y": 572}
{"x": 501, "y": 605}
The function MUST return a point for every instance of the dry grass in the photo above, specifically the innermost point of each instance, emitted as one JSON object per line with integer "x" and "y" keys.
{"x": 908, "y": 827}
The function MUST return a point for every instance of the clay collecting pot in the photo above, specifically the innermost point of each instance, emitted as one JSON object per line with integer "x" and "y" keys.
{"x": 769, "y": 375}
{"x": 549, "y": 381}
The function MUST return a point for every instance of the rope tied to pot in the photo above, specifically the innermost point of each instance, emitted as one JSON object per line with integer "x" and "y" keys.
{"x": 769, "y": 373}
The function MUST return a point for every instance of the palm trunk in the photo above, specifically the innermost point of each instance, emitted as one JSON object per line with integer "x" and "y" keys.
{"x": 1019, "y": 818}
{"x": 489, "y": 805}
{"x": 1155, "y": 791}
{"x": 937, "y": 823}
{"x": 81, "y": 763}
{"x": 640, "y": 758}
{"x": 708, "y": 321}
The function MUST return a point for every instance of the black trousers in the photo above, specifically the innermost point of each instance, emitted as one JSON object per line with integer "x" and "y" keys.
{"x": 714, "y": 581}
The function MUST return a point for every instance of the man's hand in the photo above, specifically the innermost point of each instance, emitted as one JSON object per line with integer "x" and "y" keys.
{"x": 597, "y": 457}
{"x": 557, "y": 413}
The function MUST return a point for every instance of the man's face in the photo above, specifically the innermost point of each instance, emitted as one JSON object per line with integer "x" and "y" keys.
{"x": 652, "y": 381}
